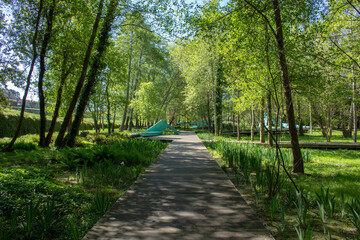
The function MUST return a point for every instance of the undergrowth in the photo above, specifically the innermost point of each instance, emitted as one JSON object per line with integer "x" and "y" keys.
{"x": 319, "y": 210}
{"x": 60, "y": 194}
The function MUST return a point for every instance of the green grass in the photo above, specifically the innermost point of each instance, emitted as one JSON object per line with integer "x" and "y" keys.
{"x": 60, "y": 194}
{"x": 314, "y": 137}
{"x": 336, "y": 172}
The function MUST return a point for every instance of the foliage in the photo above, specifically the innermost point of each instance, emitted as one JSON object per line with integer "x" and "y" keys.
{"x": 9, "y": 119}
{"x": 317, "y": 210}
{"x": 60, "y": 194}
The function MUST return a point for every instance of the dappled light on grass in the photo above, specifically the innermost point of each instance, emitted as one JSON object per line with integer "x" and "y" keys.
{"x": 338, "y": 170}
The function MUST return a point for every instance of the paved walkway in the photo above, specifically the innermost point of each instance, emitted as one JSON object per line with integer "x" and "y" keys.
{"x": 183, "y": 195}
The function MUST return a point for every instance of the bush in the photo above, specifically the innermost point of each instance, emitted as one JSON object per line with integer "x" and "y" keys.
{"x": 31, "y": 124}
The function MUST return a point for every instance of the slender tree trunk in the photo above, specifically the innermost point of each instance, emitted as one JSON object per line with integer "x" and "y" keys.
{"x": 310, "y": 116}
{"x": 252, "y": 124}
{"x": 261, "y": 119}
{"x": 270, "y": 140}
{"x": 102, "y": 120}
{"x": 298, "y": 165}
{"x": 238, "y": 125}
{"x": 354, "y": 110}
{"x": 136, "y": 122}
{"x": 95, "y": 121}
{"x": 43, "y": 51}
{"x": 114, "y": 119}
{"x": 218, "y": 98}
{"x": 127, "y": 122}
{"x": 208, "y": 113}
{"x": 342, "y": 124}
{"x": 108, "y": 109}
{"x": 301, "y": 130}
{"x": 122, "y": 127}
{"x": 63, "y": 78}
{"x": 97, "y": 66}
{"x": 215, "y": 127}
{"x": 320, "y": 119}
{"x": 28, "y": 80}
{"x": 59, "y": 140}
{"x": 351, "y": 120}
{"x": 233, "y": 122}
{"x": 328, "y": 125}
{"x": 131, "y": 118}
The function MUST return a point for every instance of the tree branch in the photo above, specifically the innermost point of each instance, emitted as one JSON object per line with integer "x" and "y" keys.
{"x": 262, "y": 14}
{"x": 227, "y": 14}
{"x": 353, "y": 6}
{"x": 343, "y": 51}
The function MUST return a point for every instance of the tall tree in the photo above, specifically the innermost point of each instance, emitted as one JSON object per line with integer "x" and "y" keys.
{"x": 59, "y": 140}
{"x": 28, "y": 81}
{"x": 298, "y": 164}
{"x": 45, "y": 43}
{"x": 96, "y": 66}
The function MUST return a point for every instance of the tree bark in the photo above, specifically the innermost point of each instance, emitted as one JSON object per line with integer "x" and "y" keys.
{"x": 301, "y": 130}
{"x": 218, "y": 98}
{"x": 342, "y": 124}
{"x": 310, "y": 116}
{"x": 108, "y": 109}
{"x": 354, "y": 110}
{"x": 320, "y": 119}
{"x": 238, "y": 125}
{"x": 64, "y": 74}
{"x": 298, "y": 165}
{"x": 96, "y": 67}
{"x": 351, "y": 120}
{"x": 127, "y": 96}
{"x": 252, "y": 124}
{"x": 208, "y": 113}
{"x": 43, "y": 51}
{"x": 114, "y": 119}
{"x": 261, "y": 119}
{"x": 28, "y": 80}
{"x": 270, "y": 140}
{"x": 59, "y": 140}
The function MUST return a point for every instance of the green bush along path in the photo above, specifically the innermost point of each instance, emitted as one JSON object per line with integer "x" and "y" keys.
{"x": 60, "y": 194}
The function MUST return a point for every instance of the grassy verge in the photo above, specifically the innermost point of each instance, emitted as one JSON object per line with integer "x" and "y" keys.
{"x": 31, "y": 124}
{"x": 329, "y": 208}
{"x": 60, "y": 194}
{"x": 314, "y": 137}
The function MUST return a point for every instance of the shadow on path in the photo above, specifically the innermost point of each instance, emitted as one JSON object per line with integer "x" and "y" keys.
{"x": 183, "y": 195}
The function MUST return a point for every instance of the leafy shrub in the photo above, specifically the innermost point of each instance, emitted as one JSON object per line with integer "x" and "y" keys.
{"x": 27, "y": 195}
{"x": 24, "y": 146}
{"x": 71, "y": 158}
